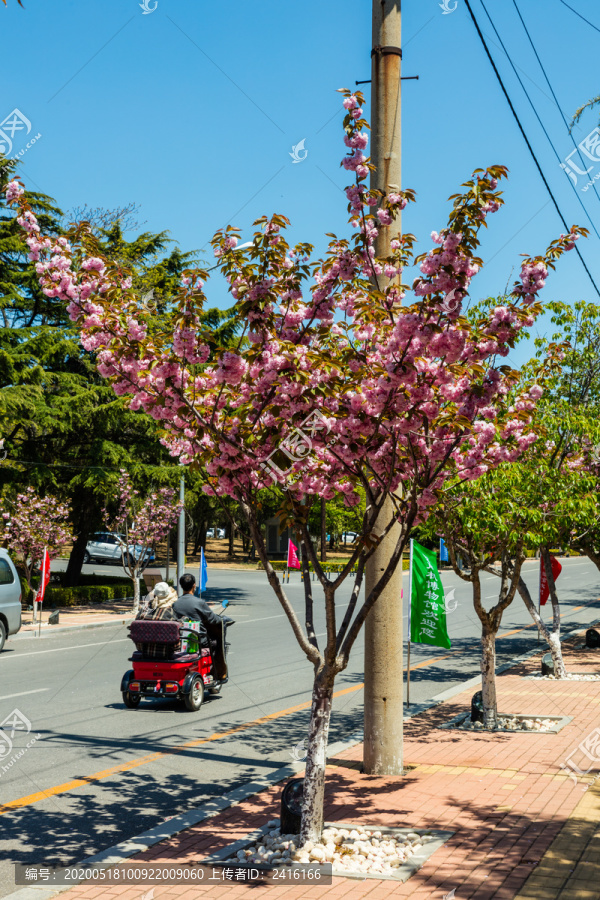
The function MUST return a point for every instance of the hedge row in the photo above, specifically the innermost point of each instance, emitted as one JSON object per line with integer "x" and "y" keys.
{"x": 82, "y": 595}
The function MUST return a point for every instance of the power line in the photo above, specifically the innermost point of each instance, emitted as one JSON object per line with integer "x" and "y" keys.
{"x": 570, "y": 133}
{"x": 580, "y": 16}
{"x": 525, "y": 138}
{"x": 531, "y": 103}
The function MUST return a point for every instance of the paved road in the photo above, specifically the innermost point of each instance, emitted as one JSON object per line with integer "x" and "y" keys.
{"x": 96, "y": 775}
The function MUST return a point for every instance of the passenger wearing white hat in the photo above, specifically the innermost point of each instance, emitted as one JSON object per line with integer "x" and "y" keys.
{"x": 159, "y": 602}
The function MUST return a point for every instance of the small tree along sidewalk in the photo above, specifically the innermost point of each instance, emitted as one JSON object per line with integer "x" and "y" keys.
{"x": 336, "y": 387}
{"x": 142, "y": 522}
{"x": 505, "y": 797}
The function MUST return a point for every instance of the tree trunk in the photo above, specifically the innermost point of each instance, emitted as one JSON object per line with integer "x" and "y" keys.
{"x": 231, "y": 537}
{"x": 488, "y": 677}
{"x": 553, "y": 642}
{"x": 554, "y": 637}
{"x": 323, "y": 530}
{"x": 136, "y": 593}
{"x": 314, "y": 779}
{"x": 560, "y": 670}
{"x": 592, "y": 555}
{"x": 75, "y": 563}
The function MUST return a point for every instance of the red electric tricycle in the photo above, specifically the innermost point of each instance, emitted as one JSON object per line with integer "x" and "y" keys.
{"x": 169, "y": 663}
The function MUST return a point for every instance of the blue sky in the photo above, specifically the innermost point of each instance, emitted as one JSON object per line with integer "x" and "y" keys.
{"x": 192, "y": 111}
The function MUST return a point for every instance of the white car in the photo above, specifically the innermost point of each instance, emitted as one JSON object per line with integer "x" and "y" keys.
{"x": 219, "y": 533}
{"x": 106, "y": 547}
{"x": 10, "y": 598}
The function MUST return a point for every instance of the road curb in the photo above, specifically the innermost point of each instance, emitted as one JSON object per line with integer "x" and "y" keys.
{"x": 173, "y": 826}
{"x": 65, "y": 629}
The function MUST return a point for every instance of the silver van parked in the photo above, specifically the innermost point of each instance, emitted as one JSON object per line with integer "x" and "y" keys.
{"x": 10, "y": 598}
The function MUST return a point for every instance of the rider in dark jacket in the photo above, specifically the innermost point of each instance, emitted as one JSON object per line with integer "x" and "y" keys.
{"x": 188, "y": 606}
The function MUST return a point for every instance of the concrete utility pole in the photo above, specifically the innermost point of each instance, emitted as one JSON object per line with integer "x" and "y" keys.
{"x": 384, "y": 690}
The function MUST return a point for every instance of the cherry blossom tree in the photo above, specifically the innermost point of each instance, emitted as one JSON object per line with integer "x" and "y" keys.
{"x": 480, "y": 521}
{"x": 140, "y": 523}
{"x": 340, "y": 384}
{"x": 31, "y": 525}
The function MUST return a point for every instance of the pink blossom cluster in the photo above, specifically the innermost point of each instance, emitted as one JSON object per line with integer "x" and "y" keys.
{"x": 533, "y": 278}
{"x": 33, "y": 524}
{"x": 143, "y": 520}
{"x": 408, "y": 393}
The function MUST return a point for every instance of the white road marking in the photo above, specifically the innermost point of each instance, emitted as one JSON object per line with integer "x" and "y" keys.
{"x": 22, "y": 693}
{"x": 62, "y": 649}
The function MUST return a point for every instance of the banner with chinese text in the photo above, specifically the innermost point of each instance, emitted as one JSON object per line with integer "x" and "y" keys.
{"x": 428, "y": 612}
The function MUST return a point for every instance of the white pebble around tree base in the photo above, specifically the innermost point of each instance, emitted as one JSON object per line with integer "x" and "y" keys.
{"x": 348, "y": 850}
{"x": 513, "y": 723}
{"x": 571, "y": 676}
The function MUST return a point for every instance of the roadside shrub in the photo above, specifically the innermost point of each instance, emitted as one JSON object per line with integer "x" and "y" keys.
{"x": 82, "y": 595}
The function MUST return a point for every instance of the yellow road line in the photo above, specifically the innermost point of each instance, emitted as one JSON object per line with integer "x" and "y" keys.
{"x": 144, "y": 760}
{"x": 152, "y": 757}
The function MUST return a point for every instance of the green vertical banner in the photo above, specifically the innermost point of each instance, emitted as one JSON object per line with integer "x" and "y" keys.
{"x": 427, "y": 607}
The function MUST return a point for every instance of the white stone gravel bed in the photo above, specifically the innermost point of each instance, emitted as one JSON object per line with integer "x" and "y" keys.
{"x": 571, "y": 676}
{"x": 514, "y": 723}
{"x": 348, "y": 850}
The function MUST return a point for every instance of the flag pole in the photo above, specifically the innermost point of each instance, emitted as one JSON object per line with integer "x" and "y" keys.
{"x": 410, "y": 568}
{"x": 540, "y": 594}
{"x": 35, "y": 598}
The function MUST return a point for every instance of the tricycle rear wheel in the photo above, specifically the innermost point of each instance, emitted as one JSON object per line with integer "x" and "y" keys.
{"x": 194, "y": 698}
{"x": 131, "y": 701}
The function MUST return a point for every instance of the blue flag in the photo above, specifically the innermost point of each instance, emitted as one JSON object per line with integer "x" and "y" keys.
{"x": 203, "y": 570}
{"x": 443, "y": 551}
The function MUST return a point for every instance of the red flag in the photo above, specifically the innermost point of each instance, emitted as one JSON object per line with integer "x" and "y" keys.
{"x": 292, "y": 561}
{"x": 44, "y": 579}
{"x": 556, "y": 570}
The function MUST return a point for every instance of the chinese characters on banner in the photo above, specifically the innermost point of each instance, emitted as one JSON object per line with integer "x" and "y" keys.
{"x": 428, "y": 612}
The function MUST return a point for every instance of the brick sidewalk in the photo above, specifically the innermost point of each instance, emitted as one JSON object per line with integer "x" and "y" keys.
{"x": 522, "y": 827}
{"x": 75, "y": 616}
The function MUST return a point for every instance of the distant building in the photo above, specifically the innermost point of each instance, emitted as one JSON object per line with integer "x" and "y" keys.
{"x": 277, "y": 544}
